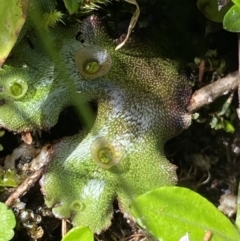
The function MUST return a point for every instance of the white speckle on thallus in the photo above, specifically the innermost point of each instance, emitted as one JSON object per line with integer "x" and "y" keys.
{"x": 93, "y": 189}
{"x": 185, "y": 238}
{"x": 131, "y": 111}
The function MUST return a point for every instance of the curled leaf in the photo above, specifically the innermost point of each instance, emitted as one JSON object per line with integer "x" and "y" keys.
{"x": 132, "y": 23}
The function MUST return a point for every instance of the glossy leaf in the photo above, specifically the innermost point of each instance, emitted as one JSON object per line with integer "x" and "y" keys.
{"x": 13, "y": 15}
{"x": 7, "y": 221}
{"x": 72, "y": 5}
{"x": 80, "y": 233}
{"x": 237, "y": 2}
{"x": 210, "y": 10}
{"x": 231, "y": 21}
{"x": 169, "y": 213}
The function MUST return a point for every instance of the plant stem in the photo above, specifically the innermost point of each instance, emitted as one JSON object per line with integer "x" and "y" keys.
{"x": 209, "y": 93}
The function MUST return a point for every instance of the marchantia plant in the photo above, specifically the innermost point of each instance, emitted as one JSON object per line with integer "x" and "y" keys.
{"x": 122, "y": 156}
{"x": 141, "y": 99}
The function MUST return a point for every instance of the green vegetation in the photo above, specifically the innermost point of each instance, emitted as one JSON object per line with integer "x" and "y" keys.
{"x": 8, "y": 222}
{"x": 170, "y": 213}
{"x": 54, "y": 55}
{"x": 79, "y": 234}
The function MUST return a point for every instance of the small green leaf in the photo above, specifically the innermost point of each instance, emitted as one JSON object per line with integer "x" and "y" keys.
{"x": 169, "y": 213}
{"x": 72, "y": 5}
{"x": 9, "y": 179}
{"x": 51, "y": 19}
{"x": 231, "y": 21}
{"x": 12, "y": 18}
{"x": 228, "y": 127}
{"x": 195, "y": 116}
{"x": 210, "y": 10}
{"x": 213, "y": 123}
{"x": 80, "y": 233}
{"x": 7, "y": 221}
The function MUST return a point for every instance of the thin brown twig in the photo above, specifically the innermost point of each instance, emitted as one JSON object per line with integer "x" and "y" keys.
{"x": 209, "y": 93}
{"x": 43, "y": 158}
{"x": 24, "y": 187}
{"x": 64, "y": 227}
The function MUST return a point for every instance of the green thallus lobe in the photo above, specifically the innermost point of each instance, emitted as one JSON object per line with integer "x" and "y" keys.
{"x": 142, "y": 103}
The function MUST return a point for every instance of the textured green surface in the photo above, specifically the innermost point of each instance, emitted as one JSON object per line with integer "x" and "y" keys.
{"x": 33, "y": 80}
{"x": 141, "y": 104}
